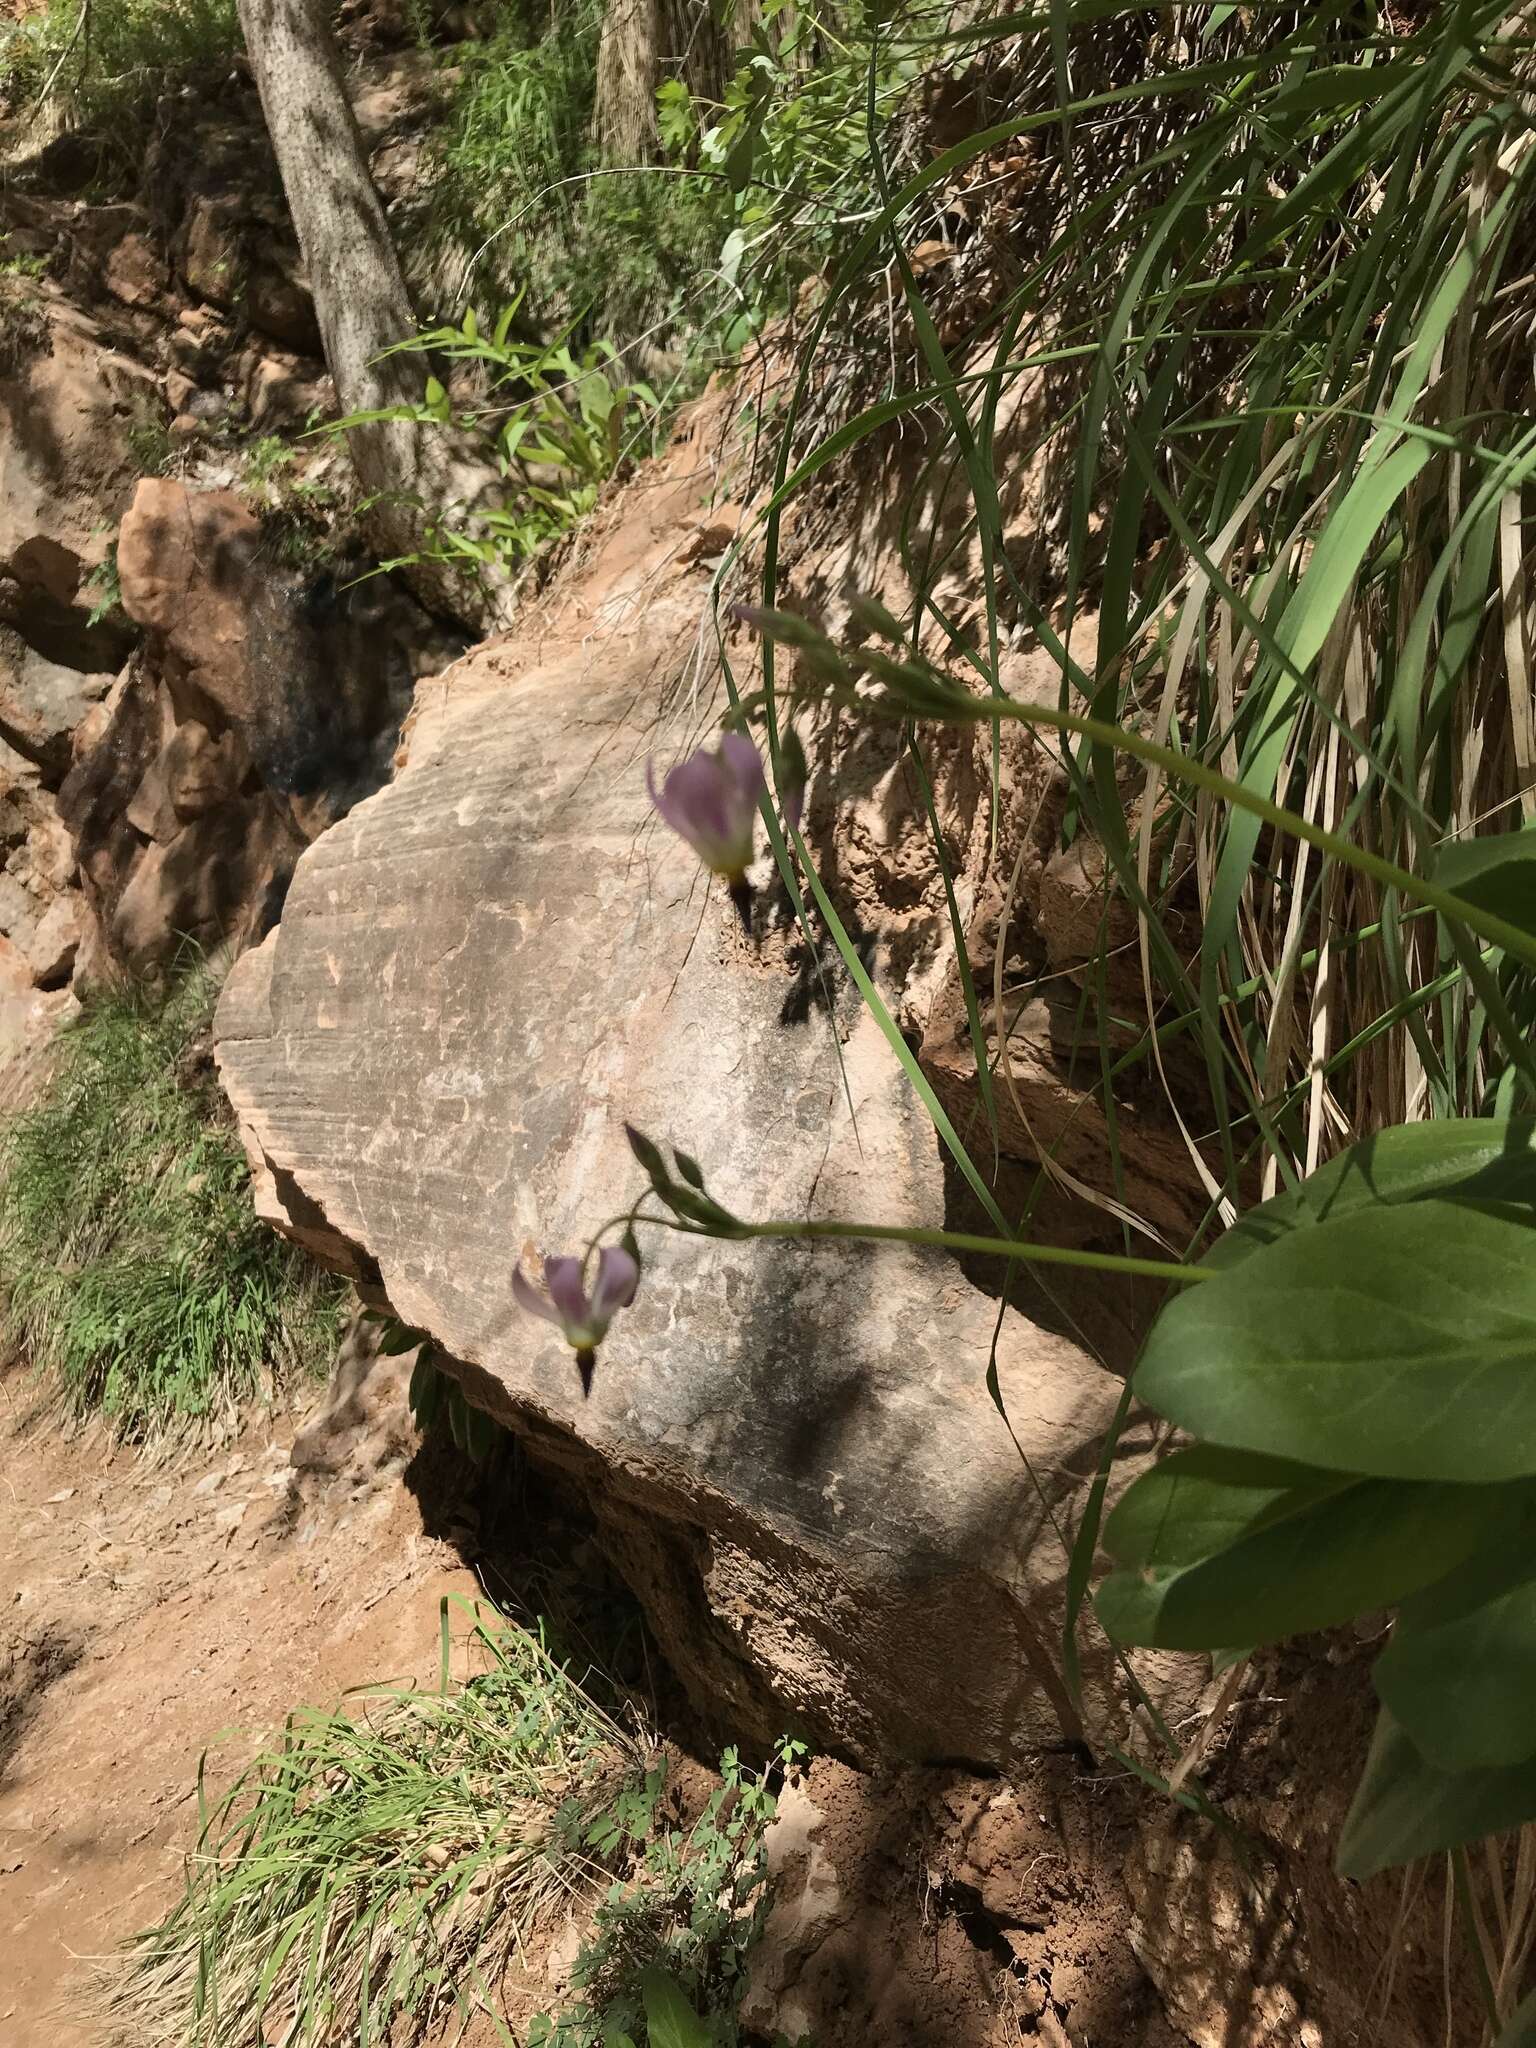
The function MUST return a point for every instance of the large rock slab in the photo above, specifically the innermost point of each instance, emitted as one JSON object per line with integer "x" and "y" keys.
{"x": 479, "y": 976}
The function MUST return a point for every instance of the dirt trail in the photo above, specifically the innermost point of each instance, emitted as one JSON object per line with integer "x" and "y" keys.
{"x": 146, "y": 1611}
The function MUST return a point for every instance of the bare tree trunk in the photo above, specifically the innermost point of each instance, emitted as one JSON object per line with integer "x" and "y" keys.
{"x": 643, "y": 41}
{"x": 406, "y": 470}
{"x": 628, "y": 73}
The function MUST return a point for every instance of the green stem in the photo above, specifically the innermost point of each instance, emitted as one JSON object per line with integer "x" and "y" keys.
{"x": 1461, "y": 1880}
{"x": 1496, "y": 930}
{"x": 1186, "y": 768}
{"x": 991, "y": 1247}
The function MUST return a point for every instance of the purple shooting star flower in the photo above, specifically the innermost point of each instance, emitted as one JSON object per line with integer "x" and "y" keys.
{"x": 583, "y": 1317}
{"x": 711, "y": 800}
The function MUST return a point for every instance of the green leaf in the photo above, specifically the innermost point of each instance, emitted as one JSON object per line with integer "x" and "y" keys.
{"x": 649, "y": 1156}
{"x": 1460, "y": 1671}
{"x": 1396, "y": 1340}
{"x": 1519, "y": 2031}
{"x": 1497, "y": 874}
{"x": 670, "y": 2020}
{"x": 1341, "y": 86}
{"x": 1478, "y": 1158}
{"x": 1198, "y": 1501}
{"x": 1313, "y": 1562}
{"x": 425, "y": 1396}
{"x": 1404, "y": 1808}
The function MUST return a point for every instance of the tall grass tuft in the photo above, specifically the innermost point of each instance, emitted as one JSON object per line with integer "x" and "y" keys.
{"x": 1226, "y": 403}
{"x": 380, "y": 1869}
{"x": 133, "y": 1272}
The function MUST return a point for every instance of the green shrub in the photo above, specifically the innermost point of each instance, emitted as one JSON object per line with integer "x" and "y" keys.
{"x": 135, "y": 1273}
{"x": 691, "y": 1908}
{"x": 555, "y": 422}
{"x": 691, "y": 253}
{"x": 374, "y": 1875}
{"x": 514, "y": 130}
{"x": 107, "y": 73}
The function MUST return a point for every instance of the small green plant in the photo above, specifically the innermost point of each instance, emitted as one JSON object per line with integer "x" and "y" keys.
{"x": 104, "y": 588}
{"x": 150, "y": 444}
{"x": 135, "y": 1274}
{"x": 296, "y": 510}
{"x": 105, "y": 66}
{"x": 21, "y": 262}
{"x": 435, "y": 1396}
{"x": 23, "y": 325}
{"x": 555, "y": 420}
{"x": 785, "y": 154}
{"x": 379, "y": 1869}
{"x": 673, "y": 1937}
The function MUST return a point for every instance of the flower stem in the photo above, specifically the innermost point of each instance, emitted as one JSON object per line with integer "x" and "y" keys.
{"x": 1011, "y": 1249}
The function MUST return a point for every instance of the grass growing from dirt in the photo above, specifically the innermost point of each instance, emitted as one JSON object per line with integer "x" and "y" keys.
{"x": 135, "y": 1274}
{"x": 380, "y": 1870}
{"x": 102, "y": 68}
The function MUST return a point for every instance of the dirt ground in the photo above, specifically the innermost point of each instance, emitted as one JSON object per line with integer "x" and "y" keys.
{"x": 150, "y": 1611}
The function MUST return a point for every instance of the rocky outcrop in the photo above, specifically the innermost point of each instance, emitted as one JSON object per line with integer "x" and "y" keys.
{"x": 41, "y": 925}
{"x": 480, "y": 975}
{"x": 264, "y": 702}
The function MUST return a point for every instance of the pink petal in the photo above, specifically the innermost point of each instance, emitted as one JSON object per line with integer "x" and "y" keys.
{"x": 695, "y": 801}
{"x": 563, "y": 1279}
{"x": 527, "y": 1296}
{"x": 617, "y": 1278}
{"x": 744, "y": 765}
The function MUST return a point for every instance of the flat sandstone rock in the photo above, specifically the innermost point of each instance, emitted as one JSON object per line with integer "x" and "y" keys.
{"x": 480, "y": 975}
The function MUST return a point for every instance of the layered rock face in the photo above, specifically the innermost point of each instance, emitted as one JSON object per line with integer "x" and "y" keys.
{"x": 149, "y": 795}
{"x": 479, "y": 976}
{"x": 263, "y": 705}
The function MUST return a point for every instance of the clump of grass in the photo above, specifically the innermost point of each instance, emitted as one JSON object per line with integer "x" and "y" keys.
{"x": 379, "y": 1870}
{"x": 135, "y": 1274}
{"x": 301, "y": 514}
{"x": 691, "y": 1910}
{"x": 102, "y": 69}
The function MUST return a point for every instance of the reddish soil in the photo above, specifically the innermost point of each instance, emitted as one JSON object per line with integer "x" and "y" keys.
{"x": 935, "y": 1909}
{"x": 146, "y": 1613}
{"x": 150, "y": 1613}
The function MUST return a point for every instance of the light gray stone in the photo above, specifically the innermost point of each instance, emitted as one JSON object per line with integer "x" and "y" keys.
{"x": 42, "y": 701}
{"x": 480, "y": 975}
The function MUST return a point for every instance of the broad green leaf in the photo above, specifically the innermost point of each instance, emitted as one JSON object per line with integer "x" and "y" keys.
{"x": 670, "y": 2020}
{"x": 1395, "y": 1340}
{"x": 1460, "y": 1671}
{"x": 1306, "y": 1567}
{"x": 1497, "y": 874}
{"x": 1404, "y": 1808}
{"x": 1480, "y": 1158}
{"x": 1341, "y": 548}
{"x": 1199, "y": 1501}
{"x": 1519, "y": 2031}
